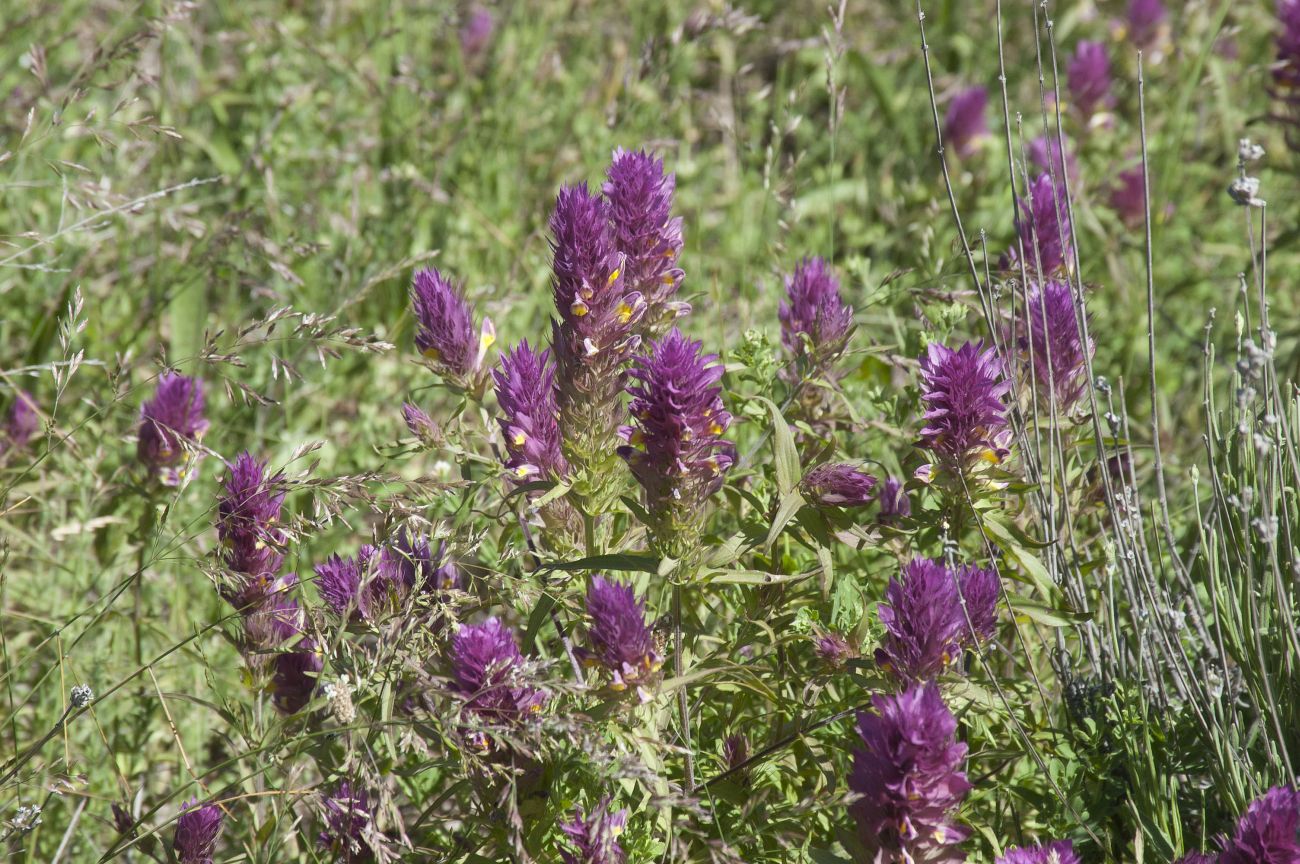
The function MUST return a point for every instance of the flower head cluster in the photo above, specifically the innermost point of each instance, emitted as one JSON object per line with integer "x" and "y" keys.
{"x": 1050, "y": 156}
{"x": 485, "y": 667}
{"x": 1052, "y": 852}
{"x": 276, "y": 645}
{"x": 247, "y": 526}
{"x": 378, "y": 581}
{"x": 171, "y": 424}
{"x": 640, "y": 196}
{"x": 1050, "y": 341}
{"x": 476, "y": 32}
{"x": 676, "y": 450}
{"x": 1286, "y": 71}
{"x": 815, "y": 320}
{"x": 595, "y": 335}
{"x": 1146, "y": 20}
{"x": 909, "y": 774}
{"x": 525, "y": 388}
{"x": 1268, "y": 832}
{"x": 23, "y": 421}
{"x": 925, "y": 622}
{"x": 196, "y": 834}
{"x": 964, "y": 412}
{"x": 833, "y": 649}
{"x": 965, "y": 125}
{"x": 1128, "y": 197}
{"x": 1044, "y": 226}
{"x": 594, "y": 836}
{"x": 621, "y": 641}
{"x": 1088, "y": 73}
{"x": 347, "y": 816}
{"x": 445, "y": 328}
{"x": 838, "y": 484}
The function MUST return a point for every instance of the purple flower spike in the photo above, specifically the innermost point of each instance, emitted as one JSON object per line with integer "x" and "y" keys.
{"x": 594, "y": 337}
{"x": 1268, "y": 832}
{"x": 171, "y": 424}
{"x": 621, "y": 641}
{"x": 838, "y": 484}
{"x": 894, "y": 503}
{"x": 1045, "y": 226}
{"x": 815, "y": 320}
{"x": 909, "y": 774}
{"x": 1127, "y": 197}
{"x": 926, "y": 628}
{"x": 676, "y": 450}
{"x": 965, "y": 415}
{"x": 347, "y": 816}
{"x": 339, "y": 582}
{"x": 247, "y": 517}
{"x": 965, "y": 125}
{"x": 1088, "y": 73}
{"x": 525, "y": 388}
{"x": 296, "y": 674}
{"x": 1051, "y": 157}
{"x": 1146, "y": 21}
{"x": 594, "y": 836}
{"x": 640, "y": 196}
{"x": 485, "y": 663}
{"x": 476, "y": 32}
{"x": 1054, "y": 852}
{"x": 1050, "y": 344}
{"x": 196, "y": 834}
{"x": 445, "y": 332}
{"x": 1197, "y": 858}
{"x": 24, "y": 421}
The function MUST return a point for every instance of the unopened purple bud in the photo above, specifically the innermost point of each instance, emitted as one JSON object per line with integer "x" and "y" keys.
{"x": 965, "y": 124}
{"x": 421, "y": 425}
{"x": 963, "y": 393}
{"x": 621, "y": 640}
{"x": 909, "y": 774}
{"x": 525, "y": 389}
{"x": 894, "y": 503}
{"x": 833, "y": 649}
{"x": 640, "y": 195}
{"x": 838, "y": 484}
{"x": 1053, "y": 852}
{"x": 594, "y": 836}
{"x": 196, "y": 834}
{"x": 171, "y": 425}
{"x": 735, "y": 751}
{"x": 1088, "y": 73}
{"x": 445, "y": 332}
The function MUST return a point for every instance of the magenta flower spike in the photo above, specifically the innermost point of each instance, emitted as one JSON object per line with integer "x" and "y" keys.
{"x": 593, "y": 836}
{"x": 477, "y": 31}
{"x": 1050, "y": 344}
{"x": 348, "y": 814}
{"x": 965, "y": 124}
{"x": 965, "y": 416}
{"x": 1088, "y": 73}
{"x": 1044, "y": 226}
{"x": 525, "y": 389}
{"x": 675, "y": 449}
{"x": 248, "y": 528}
{"x": 445, "y": 334}
{"x": 171, "y": 426}
{"x": 909, "y": 774}
{"x": 485, "y": 666}
{"x": 23, "y": 422}
{"x": 1268, "y": 832}
{"x": 815, "y": 320}
{"x": 196, "y": 834}
{"x": 640, "y": 196}
{"x": 621, "y": 640}
{"x": 926, "y": 629}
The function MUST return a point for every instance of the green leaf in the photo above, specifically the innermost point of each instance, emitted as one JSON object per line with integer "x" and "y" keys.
{"x": 790, "y": 503}
{"x": 621, "y": 561}
{"x": 1046, "y": 615}
{"x": 783, "y": 450}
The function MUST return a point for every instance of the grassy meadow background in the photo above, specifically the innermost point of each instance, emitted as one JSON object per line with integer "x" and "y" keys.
{"x": 241, "y": 191}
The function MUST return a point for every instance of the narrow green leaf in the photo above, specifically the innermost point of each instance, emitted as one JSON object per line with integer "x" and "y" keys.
{"x": 783, "y": 450}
